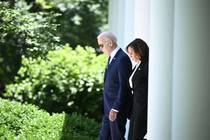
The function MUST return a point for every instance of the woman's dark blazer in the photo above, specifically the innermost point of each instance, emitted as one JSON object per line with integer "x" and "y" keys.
{"x": 140, "y": 91}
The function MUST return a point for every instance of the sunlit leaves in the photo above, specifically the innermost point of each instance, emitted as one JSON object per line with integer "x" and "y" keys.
{"x": 67, "y": 81}
{"x": 30, "y": 33}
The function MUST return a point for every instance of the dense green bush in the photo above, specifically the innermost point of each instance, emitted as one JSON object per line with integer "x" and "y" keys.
{"x": 19, "y": 121}
{"x": 70, "y": 80}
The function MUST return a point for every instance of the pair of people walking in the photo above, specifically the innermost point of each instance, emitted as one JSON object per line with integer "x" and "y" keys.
{"x": 125, "y": 89}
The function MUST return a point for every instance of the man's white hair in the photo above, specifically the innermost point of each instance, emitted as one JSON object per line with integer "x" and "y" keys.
{"x": 108, "y": 35}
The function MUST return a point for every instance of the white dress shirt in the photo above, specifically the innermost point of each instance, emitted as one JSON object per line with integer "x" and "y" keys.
{"x": 130, "y": 78}
{"x": 113, "y": 53}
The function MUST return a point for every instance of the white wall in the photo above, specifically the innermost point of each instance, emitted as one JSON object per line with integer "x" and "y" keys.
{"x": 178, "y": 33}
{"x": 191, "y": 77}
{"x": 129, "y": 19}
{"x": 160, "y": 70}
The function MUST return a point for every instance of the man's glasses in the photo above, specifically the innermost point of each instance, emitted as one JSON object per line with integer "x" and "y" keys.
{"x": 102, "y": 45}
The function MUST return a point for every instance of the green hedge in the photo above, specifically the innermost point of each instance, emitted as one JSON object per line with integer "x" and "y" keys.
{"x": 70, "y": 80}
{"x": 19, "y": 121}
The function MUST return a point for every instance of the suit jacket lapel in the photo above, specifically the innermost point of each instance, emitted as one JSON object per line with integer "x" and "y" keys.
{"x": 136, "y": 72}
{"x": 140, "y": 67}
{"x": 114, "y": 59}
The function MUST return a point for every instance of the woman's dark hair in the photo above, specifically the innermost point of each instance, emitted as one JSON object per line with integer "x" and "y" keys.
{"x": 140, "y": 47}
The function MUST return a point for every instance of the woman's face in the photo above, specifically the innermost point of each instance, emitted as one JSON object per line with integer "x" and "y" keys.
{"x": 133, "y": 55}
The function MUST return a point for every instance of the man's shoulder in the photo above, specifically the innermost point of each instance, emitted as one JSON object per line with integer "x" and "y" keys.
{"x": 124, "y": 58}
{"x": 122, "y": 53}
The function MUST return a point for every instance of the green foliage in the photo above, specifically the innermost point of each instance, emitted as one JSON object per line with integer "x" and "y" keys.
{"x": 81, "y": 125}
{"x": 31, "y": 33}
{"x": 32, "y": 29}
{"x": 23, "y": 33}
{"x": 19, "y": 121}
{"x": 81, "y": 20}
{"x": 70, "y": 81}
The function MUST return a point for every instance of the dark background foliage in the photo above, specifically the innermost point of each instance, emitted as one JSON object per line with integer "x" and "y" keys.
{"x": 23, "y": 33}
{"x": 37, "y": 66}
{"x": 34, "y": 28}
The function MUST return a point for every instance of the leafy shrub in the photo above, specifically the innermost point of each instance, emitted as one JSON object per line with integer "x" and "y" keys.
{"x": 30, "y": 33}
{"x": 19, "y": 121}
{"x": 23, "y": 33}
{"x": 70, "y": 81}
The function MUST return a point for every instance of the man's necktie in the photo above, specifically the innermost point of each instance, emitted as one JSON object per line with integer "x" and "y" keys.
{"x": 108, "y": 62}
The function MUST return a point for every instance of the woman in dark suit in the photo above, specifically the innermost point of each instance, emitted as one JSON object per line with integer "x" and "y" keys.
{"x": 139, "y": 53}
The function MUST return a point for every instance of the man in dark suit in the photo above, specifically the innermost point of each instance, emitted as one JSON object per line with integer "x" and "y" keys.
{"x": 117, "y": 95}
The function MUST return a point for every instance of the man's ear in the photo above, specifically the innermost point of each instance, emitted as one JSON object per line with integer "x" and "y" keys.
{"x": 110, "y": 43}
